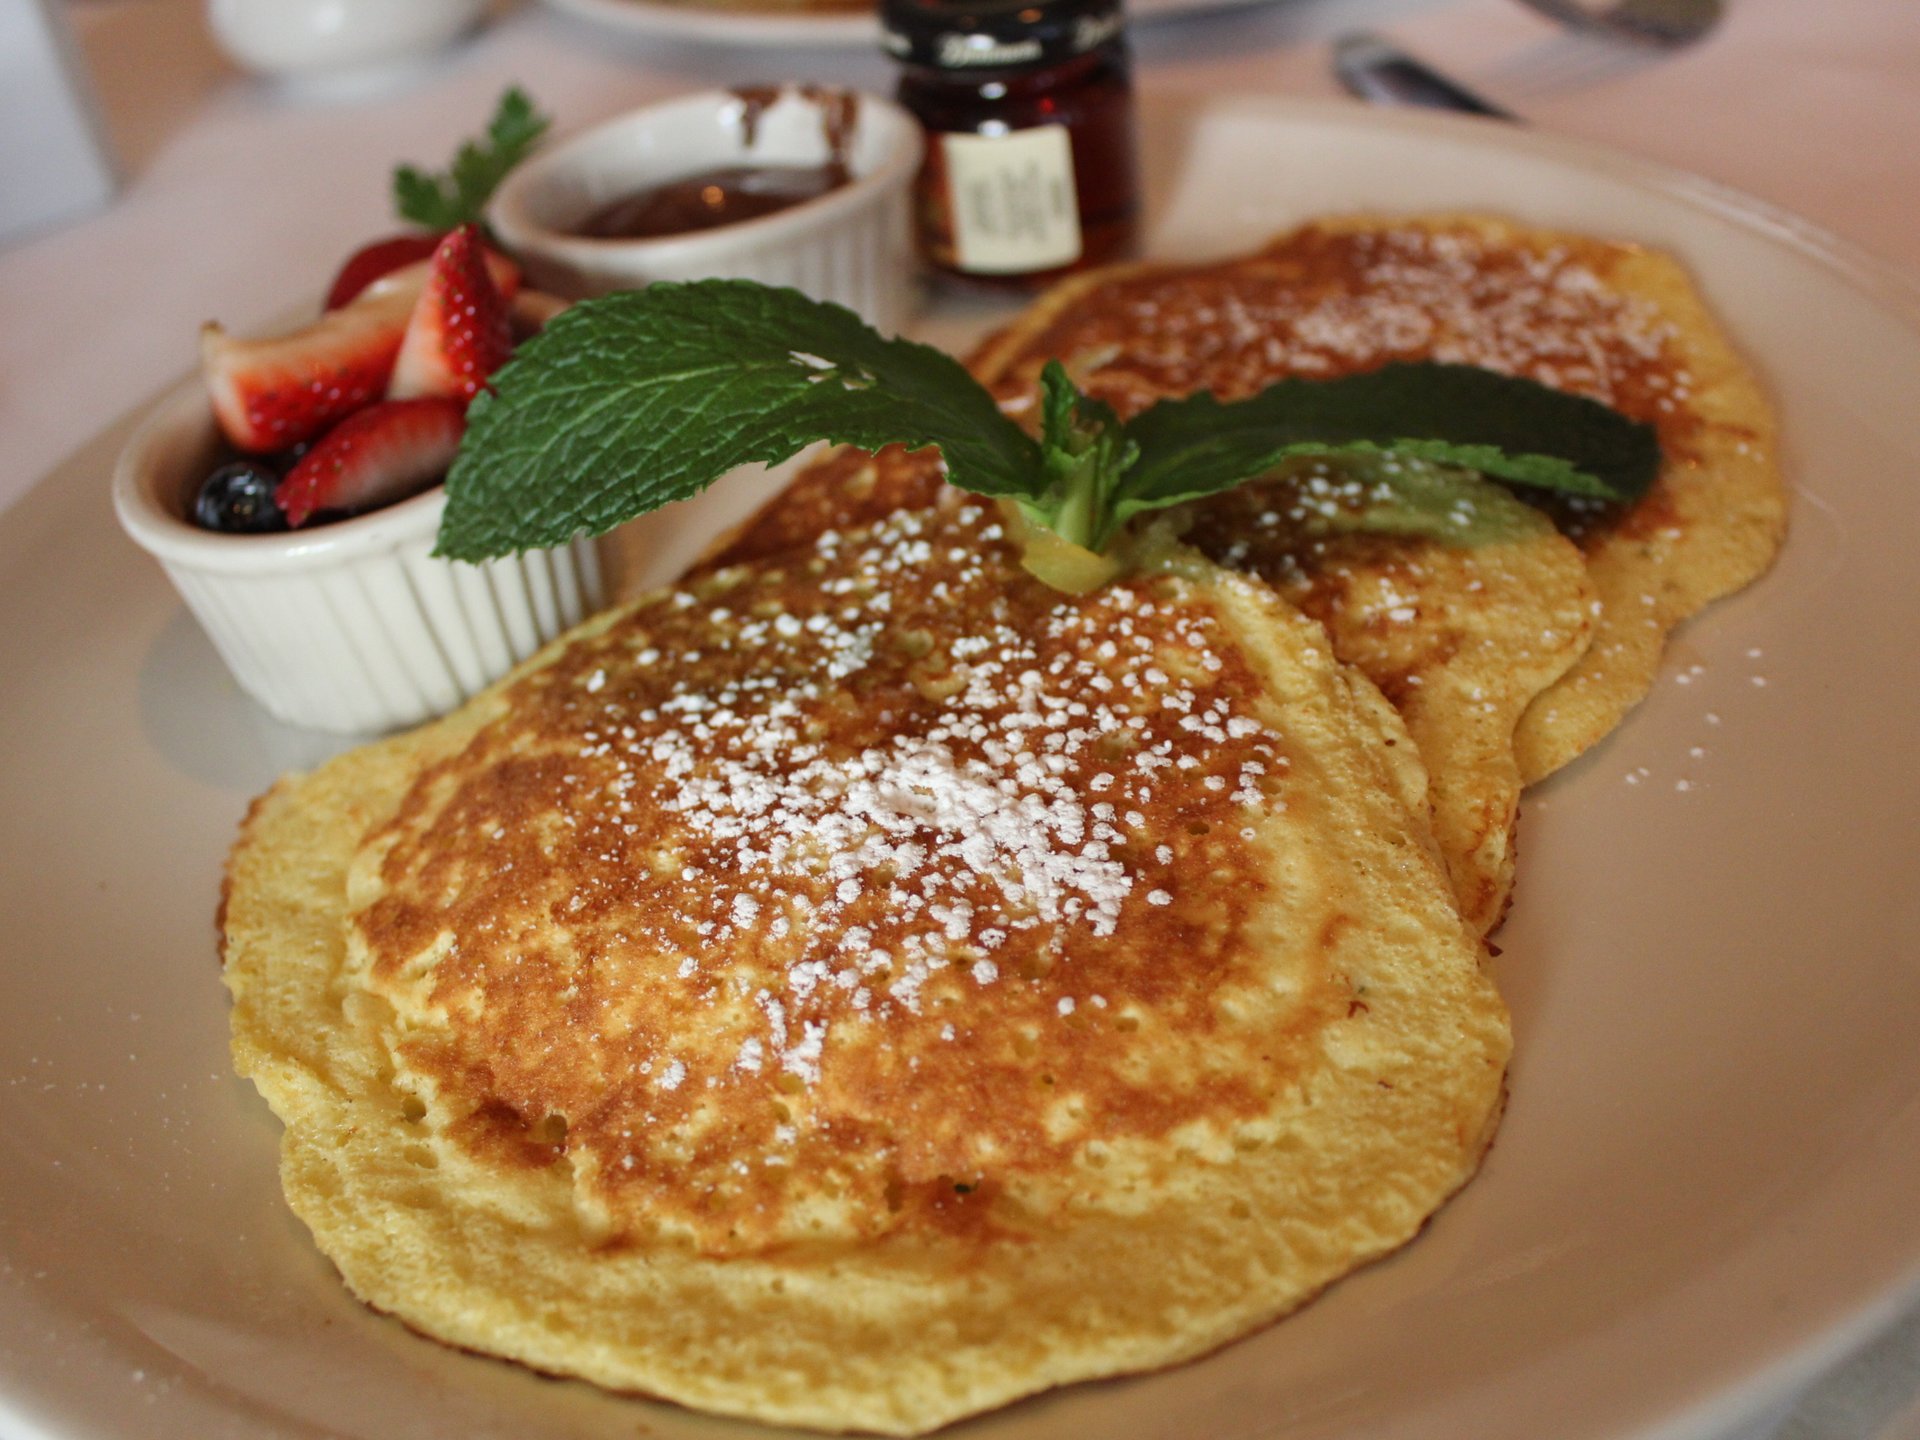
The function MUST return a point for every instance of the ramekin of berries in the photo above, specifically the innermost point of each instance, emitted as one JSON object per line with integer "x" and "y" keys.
{"x": 292, "y": 492}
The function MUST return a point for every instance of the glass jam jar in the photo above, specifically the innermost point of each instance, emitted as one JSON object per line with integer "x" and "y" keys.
{"x": 1030, "y": 171}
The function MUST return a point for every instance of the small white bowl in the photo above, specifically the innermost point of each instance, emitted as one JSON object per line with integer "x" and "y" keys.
{"x": 350, "y": 627}
{"x": 852, "y": 245}
{"x": 306, "y": 37}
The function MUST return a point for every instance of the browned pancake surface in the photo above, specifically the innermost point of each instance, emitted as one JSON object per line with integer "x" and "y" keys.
{"x": 709, "y": 812}
{"x": 863, "y": 988}
{"x": 1615, "y": 322}
{"x": 1505, "y": 654}
{"x": 1461, "y": 633}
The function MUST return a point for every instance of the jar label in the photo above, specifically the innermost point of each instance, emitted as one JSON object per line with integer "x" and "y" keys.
{"x": 1014, "y": 207}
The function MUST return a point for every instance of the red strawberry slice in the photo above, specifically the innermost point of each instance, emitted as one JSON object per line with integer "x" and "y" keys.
{"x": 385, "y": 453}
{"x": 460, "y": 331}
{"x": 383, "y": 257}
{"x": 269, "y": 394}
{"x": 370, "y": 262}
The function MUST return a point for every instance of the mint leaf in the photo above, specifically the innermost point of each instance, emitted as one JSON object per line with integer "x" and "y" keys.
{"x": 625, "y": 403}
{"x": 1086, "y": 452}
{"x": 1387, "y": 493}
{"x": 446, "y": 201}
{"x": 1507, "y": 428}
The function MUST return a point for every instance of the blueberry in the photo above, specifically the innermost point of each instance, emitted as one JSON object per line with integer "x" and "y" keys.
{"x": 237, "y": 499}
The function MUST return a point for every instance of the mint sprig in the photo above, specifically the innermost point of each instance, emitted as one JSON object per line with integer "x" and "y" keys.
{"x": 446, "y": 200}
{"x": 1381, "y": 493}
{"x": 1088, "y": 455}
{"x": 624, "y": 404}
{"x": 1506, "y": 427}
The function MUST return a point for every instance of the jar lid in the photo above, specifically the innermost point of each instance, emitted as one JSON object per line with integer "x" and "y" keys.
{"x": 996, "y": 34}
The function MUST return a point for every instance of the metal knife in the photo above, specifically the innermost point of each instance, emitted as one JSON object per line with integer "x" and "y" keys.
{"x": 1381, "y": 72}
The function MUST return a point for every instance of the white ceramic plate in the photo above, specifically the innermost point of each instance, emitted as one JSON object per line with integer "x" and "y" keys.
{"x": 1705, "y": 1187}
{"x": 743, "y": 22}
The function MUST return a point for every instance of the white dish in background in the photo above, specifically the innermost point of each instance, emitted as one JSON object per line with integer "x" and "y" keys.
{"x": 785, "y": 26}
{"x": 311, "y": 37}
{"x": 1704, "y": 1187}
{"x": 851, "y": 245}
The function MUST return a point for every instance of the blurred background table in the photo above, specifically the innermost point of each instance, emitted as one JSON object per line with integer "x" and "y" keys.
{"x": 240, "y": 196}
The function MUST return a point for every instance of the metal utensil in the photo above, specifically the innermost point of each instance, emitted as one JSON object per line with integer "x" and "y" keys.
{"x": 1381, "y": 72}
{"x": 1662, "y": 24}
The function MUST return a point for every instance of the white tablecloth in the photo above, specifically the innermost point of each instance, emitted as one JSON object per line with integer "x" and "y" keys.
{"x": 241, "y": 195}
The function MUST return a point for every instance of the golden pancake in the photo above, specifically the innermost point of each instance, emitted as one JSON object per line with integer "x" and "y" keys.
{"x": 1616, "y": 322}
{"x": 845, "y": 489}
{"x": 1461, "y": 631}
{"x": 866, "y": 987}
{"x": 1492, "y": 651}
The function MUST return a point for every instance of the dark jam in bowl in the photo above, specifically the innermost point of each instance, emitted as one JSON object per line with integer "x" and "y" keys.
{"x": 715, "y": 198}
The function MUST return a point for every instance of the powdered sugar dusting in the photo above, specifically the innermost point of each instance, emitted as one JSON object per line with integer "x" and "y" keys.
{"x": 1001, "y": 816}
{"x": 1323, "y": 303}
{"x": 816, "y": 830}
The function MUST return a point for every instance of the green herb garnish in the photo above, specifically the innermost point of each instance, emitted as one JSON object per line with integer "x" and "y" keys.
{"x": 1389, "y": 493}
{"x": 457, "y": 196}
{"x": 626, "y": 403}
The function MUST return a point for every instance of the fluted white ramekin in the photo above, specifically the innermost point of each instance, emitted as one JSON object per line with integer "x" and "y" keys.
{"x": 852, "y": 245}
{"x": 352, "y": 626}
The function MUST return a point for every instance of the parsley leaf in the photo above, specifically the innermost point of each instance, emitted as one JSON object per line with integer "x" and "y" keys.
{"x": 446, "y": 201}
{"x": 626, "y": 403}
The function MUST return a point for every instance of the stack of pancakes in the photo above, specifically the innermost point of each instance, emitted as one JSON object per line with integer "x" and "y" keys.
{"x": 1521, "y": 645}
{"x": 862, "y": 985}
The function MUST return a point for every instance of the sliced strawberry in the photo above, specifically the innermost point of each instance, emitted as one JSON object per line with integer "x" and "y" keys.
{"x": 460, "y": 331}
{"x": 269, "y": 394}
{"x": 385, "y": 453}
{"x": 506, "y": 274}
{"x": 371, "y": 262}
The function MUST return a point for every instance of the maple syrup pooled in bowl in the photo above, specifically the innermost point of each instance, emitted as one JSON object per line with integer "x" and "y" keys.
{"x": 791, "y": 186}
{"x": 728, "y": 194}
{"x": 715, "y": 197}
